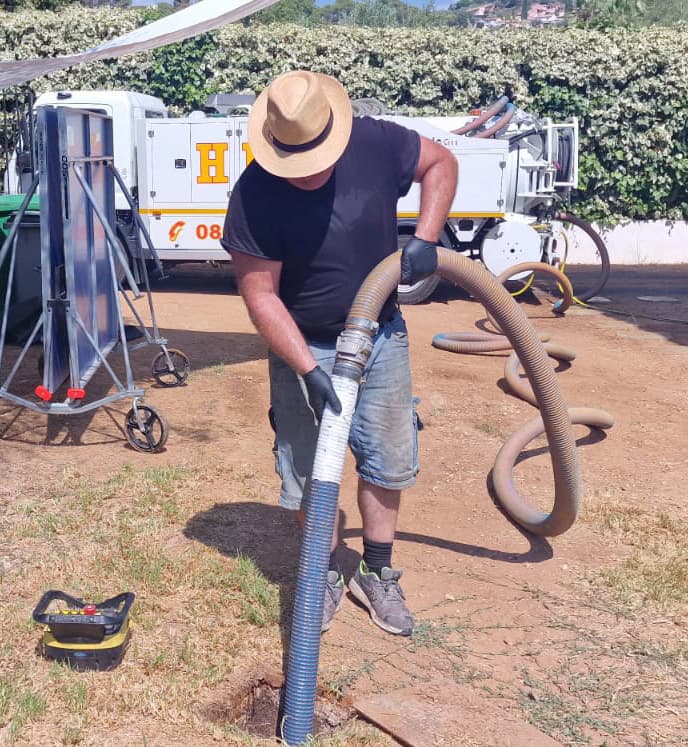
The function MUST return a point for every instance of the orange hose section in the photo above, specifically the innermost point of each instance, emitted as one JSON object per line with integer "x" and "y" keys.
{"x": 502, "y": 122}
{"x": 489, "y": 112}
{"x": 474, "y": 278}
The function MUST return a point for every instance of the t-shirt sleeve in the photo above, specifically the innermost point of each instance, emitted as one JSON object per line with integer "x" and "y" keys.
{"x": 248, "y": 228}
{"x": 403, "y": 149}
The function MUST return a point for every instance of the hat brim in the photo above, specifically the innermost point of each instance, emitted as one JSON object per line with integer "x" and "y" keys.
{"x": 292, "y": 165}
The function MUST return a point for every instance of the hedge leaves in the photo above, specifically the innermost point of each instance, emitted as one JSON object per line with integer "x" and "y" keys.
{"x": 629, "y": 88}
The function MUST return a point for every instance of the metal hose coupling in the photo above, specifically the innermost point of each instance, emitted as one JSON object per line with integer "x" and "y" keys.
{"x": 354, "y": 346}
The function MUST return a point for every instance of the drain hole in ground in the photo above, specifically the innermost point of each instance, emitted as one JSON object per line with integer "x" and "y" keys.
{"x": 256, "y": 710}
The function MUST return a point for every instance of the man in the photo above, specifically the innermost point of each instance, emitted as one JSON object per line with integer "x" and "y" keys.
{"x": 309, "y": 218}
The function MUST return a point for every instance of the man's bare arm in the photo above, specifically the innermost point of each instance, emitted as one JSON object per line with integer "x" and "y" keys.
{"x": 437, "y": 172}
{"x": 258, "y": 281}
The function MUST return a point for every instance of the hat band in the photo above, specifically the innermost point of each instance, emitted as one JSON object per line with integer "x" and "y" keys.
{"x": 302, "y": 147}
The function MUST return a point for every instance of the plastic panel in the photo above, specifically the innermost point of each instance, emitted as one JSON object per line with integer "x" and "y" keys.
{"x": 55, "y": 341}
{"x": 85, "y": 136}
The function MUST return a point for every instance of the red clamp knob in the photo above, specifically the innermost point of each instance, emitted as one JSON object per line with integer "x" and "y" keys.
{"x": 74, "y": 393}
{"x": 43, "y": 393}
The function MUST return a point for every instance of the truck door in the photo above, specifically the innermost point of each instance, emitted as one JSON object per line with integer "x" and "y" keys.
{"x": 186, "y": 183}
{"x": 170, "y": 160}
{"x": 242, "y": 148}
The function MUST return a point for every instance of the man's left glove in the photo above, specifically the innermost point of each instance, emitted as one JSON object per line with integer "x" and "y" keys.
{"x": 418, "y": 260}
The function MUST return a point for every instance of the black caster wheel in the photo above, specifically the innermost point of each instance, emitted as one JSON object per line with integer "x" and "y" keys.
{"x": 146, "y": 429}
{"x": 174, "y": 376}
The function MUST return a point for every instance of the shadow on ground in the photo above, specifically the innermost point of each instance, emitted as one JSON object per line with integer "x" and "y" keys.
{"x": 270, "y": 536}
{"x": 267, "y": 534}
{"x": 204, "y": 350}
{"x": 650, "y": 297}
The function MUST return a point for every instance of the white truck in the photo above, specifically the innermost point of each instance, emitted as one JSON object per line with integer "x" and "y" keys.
{"x": 181, "y": 170}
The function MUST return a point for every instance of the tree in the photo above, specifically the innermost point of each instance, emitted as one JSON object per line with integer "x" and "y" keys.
{"x": 393, "y": 13}
{"x": 286, "y": 11}
{"x": 336, "y": 11}
{"x": 666, "y": 12}
{"x": 605, "y": 13}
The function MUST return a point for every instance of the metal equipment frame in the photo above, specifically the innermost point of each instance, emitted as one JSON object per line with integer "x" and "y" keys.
{"x": 84, "y": 268}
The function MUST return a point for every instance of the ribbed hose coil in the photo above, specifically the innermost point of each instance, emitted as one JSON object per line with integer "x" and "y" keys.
{"x": 474, "y": 342}
{"x": 510, "y": 318}
{"x": 520, "y": 387}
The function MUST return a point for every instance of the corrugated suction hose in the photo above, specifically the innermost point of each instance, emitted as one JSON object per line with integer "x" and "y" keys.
{"x": 485, "y": 342}
{"x": 565, "y": 512}
{"x": 509, "y": 317}
{"x": 353, "y": 348}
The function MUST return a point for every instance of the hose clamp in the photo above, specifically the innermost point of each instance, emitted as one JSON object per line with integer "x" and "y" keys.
{"x": 368, "y": 325}
{"x": 353, "y": 347}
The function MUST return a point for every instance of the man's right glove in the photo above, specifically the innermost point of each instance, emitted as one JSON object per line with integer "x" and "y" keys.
{"x": 320, "y": 391}
{"x": 418, "y": 261}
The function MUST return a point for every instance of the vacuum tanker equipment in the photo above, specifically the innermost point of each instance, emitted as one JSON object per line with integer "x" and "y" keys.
{"x": 516, "y": 174}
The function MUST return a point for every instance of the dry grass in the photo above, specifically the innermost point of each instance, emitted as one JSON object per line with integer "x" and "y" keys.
{"x": 656, "y": 571}
{"x": 199, "y": 615}
{"x": 621, "y": 672}
{"x": 604, "y": 662}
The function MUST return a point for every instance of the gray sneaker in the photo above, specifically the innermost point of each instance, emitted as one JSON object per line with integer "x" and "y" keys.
{"x": 383, "y": 597}
{"x": 334, "y": 597}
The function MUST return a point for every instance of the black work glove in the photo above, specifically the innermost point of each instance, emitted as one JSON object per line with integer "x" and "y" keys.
{"x": 320, "y": 391}
{"x": 418, "y": 260}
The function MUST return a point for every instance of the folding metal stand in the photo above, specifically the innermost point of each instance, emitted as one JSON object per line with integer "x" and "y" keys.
{"x": 81, "y": 318}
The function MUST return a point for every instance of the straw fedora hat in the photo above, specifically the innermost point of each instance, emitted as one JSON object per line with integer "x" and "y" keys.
{"x": 300, "y": 124}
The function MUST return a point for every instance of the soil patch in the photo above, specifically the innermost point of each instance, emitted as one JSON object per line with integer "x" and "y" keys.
{"x": 255, "y": 705}
{"x": 582, "y": 637}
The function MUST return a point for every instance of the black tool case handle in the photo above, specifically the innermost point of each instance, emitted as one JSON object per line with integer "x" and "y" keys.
{"x": 108, "y": 618}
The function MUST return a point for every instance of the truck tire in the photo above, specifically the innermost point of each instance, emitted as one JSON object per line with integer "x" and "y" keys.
{"x": 422, "y": 290}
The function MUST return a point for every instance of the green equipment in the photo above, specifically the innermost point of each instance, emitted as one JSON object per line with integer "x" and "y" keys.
{"x": 82, "y": 634}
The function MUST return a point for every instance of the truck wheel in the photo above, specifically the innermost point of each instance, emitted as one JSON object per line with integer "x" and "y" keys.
{"x": 423, "y": 289}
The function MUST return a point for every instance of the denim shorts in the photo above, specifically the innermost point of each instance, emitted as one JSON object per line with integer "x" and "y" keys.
{"x": 384, "y": 429}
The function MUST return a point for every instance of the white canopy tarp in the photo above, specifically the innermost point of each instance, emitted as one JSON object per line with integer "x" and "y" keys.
{"x": 195, "y": 19}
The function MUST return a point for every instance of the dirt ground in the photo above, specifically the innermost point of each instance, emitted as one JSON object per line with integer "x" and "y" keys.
{"x": 520, "y": 640}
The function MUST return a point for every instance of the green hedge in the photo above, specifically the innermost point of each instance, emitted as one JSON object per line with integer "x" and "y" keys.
{"x": 628, "y": 87}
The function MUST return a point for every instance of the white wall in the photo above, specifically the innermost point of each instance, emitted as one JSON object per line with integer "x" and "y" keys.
{"x": 651, "y": 242}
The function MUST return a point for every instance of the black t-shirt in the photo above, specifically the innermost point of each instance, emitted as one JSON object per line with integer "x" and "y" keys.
{"x": 328, "y": 239}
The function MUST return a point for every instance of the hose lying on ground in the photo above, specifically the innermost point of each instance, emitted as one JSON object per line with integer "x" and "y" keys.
{"x": 485, "y": 342}
{"x": 353, "y": 348}
{"x": 502, "y": 473}
{"x": 565, "y": 286}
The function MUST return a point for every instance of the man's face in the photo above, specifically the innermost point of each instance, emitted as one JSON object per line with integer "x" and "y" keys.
{"x": 312, "y": 182}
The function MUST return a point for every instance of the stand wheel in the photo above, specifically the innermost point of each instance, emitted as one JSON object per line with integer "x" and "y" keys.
{"x": 146, "y": 428}
{"x": 177, "y": 374}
